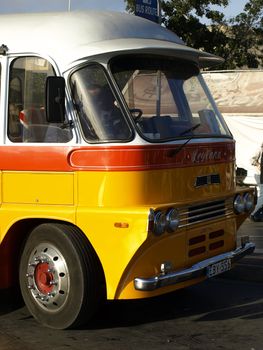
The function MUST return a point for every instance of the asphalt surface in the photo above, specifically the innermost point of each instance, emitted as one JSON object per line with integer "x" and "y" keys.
{"x": 249, "y": 268}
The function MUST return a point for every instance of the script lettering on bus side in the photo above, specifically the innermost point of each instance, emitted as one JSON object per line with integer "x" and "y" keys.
{"x": 205, "y": 156}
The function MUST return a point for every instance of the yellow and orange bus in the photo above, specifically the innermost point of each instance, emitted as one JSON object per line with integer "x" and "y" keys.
{"x": 117, "y": 170}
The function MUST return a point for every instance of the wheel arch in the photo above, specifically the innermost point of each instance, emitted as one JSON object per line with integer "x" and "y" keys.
{"x": 12, "y": 245}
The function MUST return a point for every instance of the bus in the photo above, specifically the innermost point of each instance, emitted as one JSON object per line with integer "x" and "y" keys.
{"x": 117, "y": 170}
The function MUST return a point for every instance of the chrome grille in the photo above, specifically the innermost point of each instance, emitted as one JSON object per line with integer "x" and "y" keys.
{"x": 206, "y": 211}
{"x": 202, "y": 212}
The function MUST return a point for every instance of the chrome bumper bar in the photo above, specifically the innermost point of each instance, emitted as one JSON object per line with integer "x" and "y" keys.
{"x": 197, "y": 270}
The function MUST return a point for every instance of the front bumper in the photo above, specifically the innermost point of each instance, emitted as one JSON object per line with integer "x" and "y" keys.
{"x": 197, "y": 270}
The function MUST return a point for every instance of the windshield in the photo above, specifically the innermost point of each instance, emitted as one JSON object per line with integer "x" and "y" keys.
{"x": 100, "y": 116}
{"x": 167, "y": 99}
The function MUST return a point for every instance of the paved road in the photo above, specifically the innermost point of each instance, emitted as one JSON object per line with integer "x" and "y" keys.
{"x": 217, "y": 314}
{"x": 221, "y": 313}
{"x": 250, "y": 268}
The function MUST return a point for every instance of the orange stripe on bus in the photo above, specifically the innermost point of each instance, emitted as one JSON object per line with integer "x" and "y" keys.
{"x": 109, "y": 158}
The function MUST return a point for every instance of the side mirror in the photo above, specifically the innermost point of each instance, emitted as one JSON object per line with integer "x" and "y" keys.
{"x": 55, "y": 99}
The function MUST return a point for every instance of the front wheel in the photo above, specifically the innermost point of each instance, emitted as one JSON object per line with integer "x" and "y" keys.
{"x": 60, "y": 276}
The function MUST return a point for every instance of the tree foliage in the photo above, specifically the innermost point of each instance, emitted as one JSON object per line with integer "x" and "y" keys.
{"x": 238, "y": 40}
{"x": 245, "y": 46}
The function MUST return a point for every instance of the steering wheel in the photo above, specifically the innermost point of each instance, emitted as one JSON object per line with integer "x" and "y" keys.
{"x": 136, "y": 113}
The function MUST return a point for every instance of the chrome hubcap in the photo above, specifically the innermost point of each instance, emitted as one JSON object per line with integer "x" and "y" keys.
{"x": 47, "y": 277}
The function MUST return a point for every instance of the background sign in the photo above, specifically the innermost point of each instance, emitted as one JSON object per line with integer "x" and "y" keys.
{"x": 147, "y": 9}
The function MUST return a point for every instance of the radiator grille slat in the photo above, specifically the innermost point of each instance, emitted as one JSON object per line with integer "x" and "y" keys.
{"x": 205, "y": 211}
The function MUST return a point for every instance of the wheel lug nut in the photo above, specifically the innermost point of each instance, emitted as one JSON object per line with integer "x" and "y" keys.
{"x": 40, "y": 260}
{"x": 32, "y": 265}
{"x": 53, "y": 283}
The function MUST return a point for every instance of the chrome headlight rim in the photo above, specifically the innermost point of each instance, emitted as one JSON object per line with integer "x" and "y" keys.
{"x": 162, "y": 221}
{"x": 172, "y": 219}
{"x": 239, "y": 204}
{"x": 159, "y": 223}
{"x": 249, "y": 201}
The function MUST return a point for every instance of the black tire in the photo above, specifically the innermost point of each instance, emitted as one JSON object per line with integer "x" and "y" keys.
{"x": 61, "y": 279}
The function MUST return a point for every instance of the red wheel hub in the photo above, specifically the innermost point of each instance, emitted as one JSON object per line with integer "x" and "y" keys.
{"x": 44, "y": 278}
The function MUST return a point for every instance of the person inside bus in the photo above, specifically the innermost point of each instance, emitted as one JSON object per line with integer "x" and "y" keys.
{"x": 14, "y": 125}
{"x": 108, "y": 115}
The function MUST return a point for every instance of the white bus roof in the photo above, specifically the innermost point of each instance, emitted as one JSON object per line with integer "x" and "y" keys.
{"x": 71, "y": 36}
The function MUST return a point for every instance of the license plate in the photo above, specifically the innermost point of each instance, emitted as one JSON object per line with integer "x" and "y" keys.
{"x": 217, "y": 268}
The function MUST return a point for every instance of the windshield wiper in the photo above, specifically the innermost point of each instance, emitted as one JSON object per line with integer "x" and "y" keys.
{"x": 173, "y": 153}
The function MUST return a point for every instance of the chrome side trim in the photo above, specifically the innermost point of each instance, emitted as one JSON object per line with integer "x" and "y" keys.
{"x": 197, "y": 270}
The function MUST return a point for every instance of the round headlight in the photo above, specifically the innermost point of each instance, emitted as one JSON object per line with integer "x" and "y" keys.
{"x": 159, "y": 223}
{"x": 172, "y": 220}
{"x": 239, "y": 204}
{"x": 249, "y": 201}
{"x": 151, "y": 220}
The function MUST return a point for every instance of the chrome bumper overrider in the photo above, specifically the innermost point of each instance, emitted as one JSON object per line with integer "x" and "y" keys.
{"x": 197, "y": 270}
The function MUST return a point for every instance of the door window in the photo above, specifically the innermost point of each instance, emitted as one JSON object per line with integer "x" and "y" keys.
{"x": 100, "y": 115}
{"x": 26, "y": 108}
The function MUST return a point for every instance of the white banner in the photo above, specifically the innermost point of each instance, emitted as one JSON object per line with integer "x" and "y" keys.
{"x": 239, "y": 97}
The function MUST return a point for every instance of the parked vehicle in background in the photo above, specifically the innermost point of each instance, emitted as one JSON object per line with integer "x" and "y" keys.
{"x": 117, "y": 170}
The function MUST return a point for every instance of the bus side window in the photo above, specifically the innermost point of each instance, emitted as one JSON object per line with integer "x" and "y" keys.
{"x": 26, "y": 115}
{"x": 14, "y": 108}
